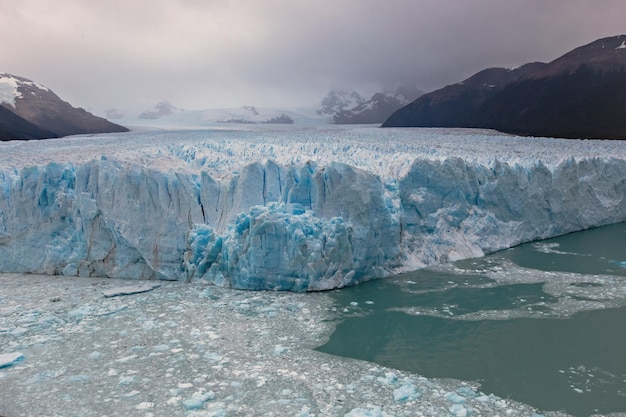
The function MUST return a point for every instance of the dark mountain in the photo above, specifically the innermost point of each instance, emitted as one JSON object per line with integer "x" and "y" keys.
{"x": 36, "y": 105}
{"x": 13, "y": 127}
{"x": 455, "y": 105}
{"x": 579, "y": 95}
{"x": 378, "y": 108}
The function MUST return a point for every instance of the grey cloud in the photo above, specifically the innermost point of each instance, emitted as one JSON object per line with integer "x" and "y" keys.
{"x": 200, "y": 54}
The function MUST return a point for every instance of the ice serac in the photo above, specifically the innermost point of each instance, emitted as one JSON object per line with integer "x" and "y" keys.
{"x": 291, "y": 225}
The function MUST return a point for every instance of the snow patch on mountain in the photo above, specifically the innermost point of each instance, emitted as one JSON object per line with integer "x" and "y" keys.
{"x": 338, "y": 100}
{"x": 11, "y": 88}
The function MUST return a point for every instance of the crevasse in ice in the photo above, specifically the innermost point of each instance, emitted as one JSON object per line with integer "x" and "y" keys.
{"x": 269, "y": 221}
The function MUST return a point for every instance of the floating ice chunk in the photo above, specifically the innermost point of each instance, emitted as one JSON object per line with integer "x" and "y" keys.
{"x": 77, "y": 378}
{"x": 173, "y": 400}
{"x": 453, "y": 397}
{"x": 279, "y": 349}
{"x": 197, "y": 399}
{"x": 80, "y": 312}
{"x": 127, "y": 358}
{"x": 144, "y": 406}
{"x": 149, "y": 325}
{"x": 407, "y": 392}
{"x": 458, "y": 410}
{"x": 364, "y": 412}
{"x": 305, "y": 412}
{"x": 132, "y": 394}
{"x": 621, "y": 264}
{"x": 126, "y": 380}
{"x": 390, "y": 378}
{"x": 9, "y": 359}
{"x": 95, "y": 355}
{"x": 467, "y": 392}
{"x": 18, "y": 331}
{"x": 216, "y": 411}
{"x": 132, "y": 289}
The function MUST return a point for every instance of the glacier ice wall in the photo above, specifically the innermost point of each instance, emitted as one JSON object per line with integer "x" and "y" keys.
{"x": 290, "y": 225}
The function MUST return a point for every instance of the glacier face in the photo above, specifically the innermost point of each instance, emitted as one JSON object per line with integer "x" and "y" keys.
{"x": 293, "y": 208}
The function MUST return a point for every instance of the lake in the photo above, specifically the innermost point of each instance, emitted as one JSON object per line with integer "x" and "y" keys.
{"x": 542, "y": 323}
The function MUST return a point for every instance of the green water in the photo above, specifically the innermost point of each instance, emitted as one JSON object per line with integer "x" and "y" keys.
{"x": 543, "y": 323}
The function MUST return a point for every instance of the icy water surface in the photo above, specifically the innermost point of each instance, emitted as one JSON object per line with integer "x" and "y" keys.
{"x": 106, "y": 347}
{"x": 543, "y": 323}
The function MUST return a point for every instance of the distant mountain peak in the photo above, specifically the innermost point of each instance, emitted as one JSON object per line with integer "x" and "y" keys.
{"x": 338, "y": 100}
{"x": 379, "y": 107}
{"x": 161, "y": 109}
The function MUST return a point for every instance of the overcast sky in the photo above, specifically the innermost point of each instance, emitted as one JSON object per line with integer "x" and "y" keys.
{"x": 201, "y": 54}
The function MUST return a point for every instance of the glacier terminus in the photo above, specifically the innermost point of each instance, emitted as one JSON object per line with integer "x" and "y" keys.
{"x": 293, "y": 208}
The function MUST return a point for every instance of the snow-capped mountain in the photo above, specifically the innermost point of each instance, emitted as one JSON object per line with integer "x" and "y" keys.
{"x": 38, "y": 113}
{"x": 582, "y": 94}
{"x": 338, "y": 100}
{"x": 378, "y": 108}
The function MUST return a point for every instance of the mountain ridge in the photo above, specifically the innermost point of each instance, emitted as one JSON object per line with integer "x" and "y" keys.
{"x": 351, "y": 108}
{"x": 581, "y": 94}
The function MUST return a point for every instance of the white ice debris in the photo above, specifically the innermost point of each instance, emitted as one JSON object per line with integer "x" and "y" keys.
{"x": 8, "y": 359}
{"x": 128, "y": 290}
{"x": 197, "y": 399}
{"x": 293, "y": 208}
{"x": 227, "y": 368}
{"x": 406, "y": 392}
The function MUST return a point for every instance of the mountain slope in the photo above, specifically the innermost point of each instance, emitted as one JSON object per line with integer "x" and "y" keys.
{"x": 579, "y": 95}
{"x": 14, "y": 127}
{"x": 39, "y": 106}
{"x": 582, "y": 104}
{"x": 455, "y": 105}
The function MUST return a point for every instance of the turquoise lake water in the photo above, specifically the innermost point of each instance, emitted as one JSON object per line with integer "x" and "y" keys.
{"x": 543, "y": 323}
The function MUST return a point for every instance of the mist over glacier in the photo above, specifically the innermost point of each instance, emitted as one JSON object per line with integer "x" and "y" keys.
{"x": 293, "y": 208}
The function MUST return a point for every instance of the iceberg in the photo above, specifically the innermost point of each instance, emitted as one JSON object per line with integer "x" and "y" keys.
{"x": 293, "y": 208}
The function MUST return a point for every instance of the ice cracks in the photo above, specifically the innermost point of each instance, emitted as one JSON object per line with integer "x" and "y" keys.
{"x": 329, "y": 228}
{"x": 297, "y": 226}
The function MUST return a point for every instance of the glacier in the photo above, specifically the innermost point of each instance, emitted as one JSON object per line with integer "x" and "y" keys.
{"x": 292, "y": 207}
